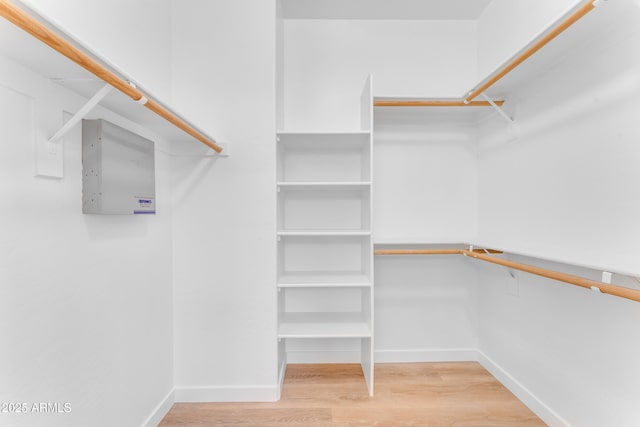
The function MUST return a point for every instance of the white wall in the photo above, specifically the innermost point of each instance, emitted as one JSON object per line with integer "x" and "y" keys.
{"x": 424, "y": 190}
{"x": 85, "y": 312}
{"x": 328, "y": 61}
{"x": 134, "y": 36}
{"x": 425, "y": 176}
{"x": 425, "y": 309}
{"x": 225, "y": 211}
{"x": 506, "y": 26}
{"x": 567, "y": 190}
{"x": 279, "y": 66}
{"x": 574, "y": 351}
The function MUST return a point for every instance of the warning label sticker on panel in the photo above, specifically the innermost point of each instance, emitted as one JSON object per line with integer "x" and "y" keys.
{"x": 144, "y": 205}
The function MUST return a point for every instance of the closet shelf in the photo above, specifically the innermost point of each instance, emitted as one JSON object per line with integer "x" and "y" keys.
{"x": 324, "y": 233}
{"x": 426, "y": 102}
{"x": 323, "y": 325}
{"x": 29, "y": 39}
{"x": 304, "y": 185}
{"x": 347, "y": 133}
{"x": 329, "y": 279}
{"x": 420, "y": 240}
{"x": 300, "y": 285}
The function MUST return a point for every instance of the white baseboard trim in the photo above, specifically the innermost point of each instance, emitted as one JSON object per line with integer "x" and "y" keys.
{"x": 160, "y": 411}
{"x": 282, "y": 372}
{"x": 542, "y": 410}
{"x": 228, "y": 394}
{"x": 426, "y": 355}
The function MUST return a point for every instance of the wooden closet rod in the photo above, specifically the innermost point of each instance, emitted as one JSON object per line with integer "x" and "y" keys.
{"x": 23, "y": 20}
{"x": 481, "y": 254}
{"x": 605, "y": 288}
{"x": 435, "y": 103}
{"x": 587, "y": 7}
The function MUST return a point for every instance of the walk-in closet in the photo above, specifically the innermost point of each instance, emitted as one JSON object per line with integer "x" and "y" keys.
{"x": 302, "y": 212}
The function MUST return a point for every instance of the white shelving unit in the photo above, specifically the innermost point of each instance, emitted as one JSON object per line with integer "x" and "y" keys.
{"x": 325, "y": 243}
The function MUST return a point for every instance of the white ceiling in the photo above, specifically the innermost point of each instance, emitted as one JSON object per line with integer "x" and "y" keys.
{"x": 384, "y": 9}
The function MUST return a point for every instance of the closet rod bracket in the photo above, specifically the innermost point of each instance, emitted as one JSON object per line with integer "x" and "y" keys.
{"x": 79, "y": 115}
{"x": 143, "y": 99}
{"x": 497, "y": 108}
{"x": 489, "y": 252}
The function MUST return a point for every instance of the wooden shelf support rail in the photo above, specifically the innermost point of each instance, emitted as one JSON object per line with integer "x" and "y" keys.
{"x": 435, "y": 103}
{"x": 40, "y": 31}
{"x": 551, "y": 34}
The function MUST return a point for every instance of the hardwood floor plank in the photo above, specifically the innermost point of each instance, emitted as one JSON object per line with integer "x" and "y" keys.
{"x": 460, "y": 394}
{"x": 329, "y": 373}
{"x": 252, "y": 416}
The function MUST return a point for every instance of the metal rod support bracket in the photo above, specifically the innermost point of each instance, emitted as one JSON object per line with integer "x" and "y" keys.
{"x": 498, "y": 109}
{"x": 81, "y": 114}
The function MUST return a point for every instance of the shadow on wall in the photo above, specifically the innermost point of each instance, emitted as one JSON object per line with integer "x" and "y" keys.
{"x": 116, "y": 227}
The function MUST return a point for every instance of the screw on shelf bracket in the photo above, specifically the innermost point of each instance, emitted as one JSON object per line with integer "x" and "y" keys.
{"x": 82, "y": 112}
{"x": 498, "y": 109}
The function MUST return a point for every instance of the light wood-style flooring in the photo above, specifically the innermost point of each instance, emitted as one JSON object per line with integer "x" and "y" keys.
{"x": 407, "y": 394}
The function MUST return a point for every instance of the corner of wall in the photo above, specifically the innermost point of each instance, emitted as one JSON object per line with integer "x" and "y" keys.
{"x": 542, "y": 410}
{"x": 160, "y": 411}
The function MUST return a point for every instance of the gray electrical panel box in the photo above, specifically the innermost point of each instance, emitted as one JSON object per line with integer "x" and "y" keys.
{"x": 118, "y": 173}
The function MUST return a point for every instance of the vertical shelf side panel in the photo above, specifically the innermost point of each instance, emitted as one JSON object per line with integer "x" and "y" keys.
{"x": 366, "y": 106}
{"x": 367, "y": 344}
{"x": 281, "y": 346}
{"x": 281, "y": 343}
{"x": 366, "y": 355}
